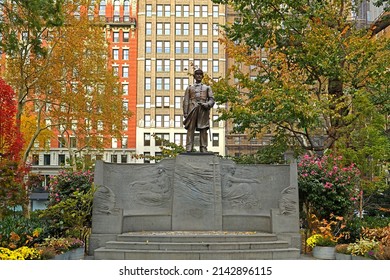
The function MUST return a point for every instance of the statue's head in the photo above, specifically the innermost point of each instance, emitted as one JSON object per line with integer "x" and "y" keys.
{"x": 198, "y": 75}
{"x": 198, "y": 71}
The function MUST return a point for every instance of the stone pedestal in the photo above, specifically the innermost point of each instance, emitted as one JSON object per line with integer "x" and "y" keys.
{"x": 197, "y": 202}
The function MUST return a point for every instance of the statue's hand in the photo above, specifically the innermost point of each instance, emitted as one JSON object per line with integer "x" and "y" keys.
{"x": 204, "y": 105}
{"x": 185, "y": 116}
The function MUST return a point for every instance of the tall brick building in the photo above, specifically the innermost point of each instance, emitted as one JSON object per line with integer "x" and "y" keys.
{"x": 173, "y": 38}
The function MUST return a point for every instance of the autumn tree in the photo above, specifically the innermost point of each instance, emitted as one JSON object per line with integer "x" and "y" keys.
{"x": 11, "y": 141}
{"x": 23, "y": 31}
{"x": 311, "y": 70}
{"x": 70, "y": 89}
{"x": 317, "y": 81}
{"x": 12, "y": 191}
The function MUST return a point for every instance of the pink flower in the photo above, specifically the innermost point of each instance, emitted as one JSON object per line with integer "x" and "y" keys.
{"x": 328, "y": 185}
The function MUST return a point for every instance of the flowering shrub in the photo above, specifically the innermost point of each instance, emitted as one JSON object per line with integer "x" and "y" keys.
{"x": 63, "y": 185}
{"x": 18, "y": 231}
{"x": 326, "y": 186}
{"x": 22, "y": 253}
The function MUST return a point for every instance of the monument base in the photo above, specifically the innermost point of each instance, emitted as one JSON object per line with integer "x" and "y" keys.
{"x": 198, "y": 192}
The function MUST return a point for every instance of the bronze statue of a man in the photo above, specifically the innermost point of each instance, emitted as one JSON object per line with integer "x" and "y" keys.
{"x": 198, "y": 99}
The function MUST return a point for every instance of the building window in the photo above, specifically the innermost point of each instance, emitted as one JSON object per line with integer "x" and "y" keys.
{"x": 114, "y": 158}
{"x": 196, "y": 29}
{"x": 160, "y": 10}
{"x": 148, "y": 10}
{"x": 115, "y": 54}
{"x": 160, "y": 138}
{"x": 162, "y": 120}
{"x": 123, "y": 158}
{"x": 125, "y": 124}
{"x": 125, "y": 104}
{"x": 196, "y": 11}
{"x": 125, "y": 89}
{"x": 204, "y": 29}
{"x": 114, "y": 143}
{"x": 159, "y": 83}
{"x": 61, "y": 160}
{"x": 73, "y": 142}
{"x": 147, "y": 139}
{"x": 148, "y": 83}
{"x": 147, "y": 102}
{"x": 115, "y": 70}
{"x": 178, "y": 101}
{"x": 204, "y": 11}
{"x": 163, "y": 65}
{"x": 197, "y": 47}
{"x": 126, "y": 36}
{"x": 35, "y": 159}
{"x": 148, "y": 46}
{"x": 102, "y": 8}
{"x": 215, "y": 121}
{"x": 181, "y": 83}
{"x": 163, "y": 10}
{"x": 148, "y": 28}
{"x": 163, "y": 28}
{"x": 147, "y": 120}
{"x": 158, "y": 101}
{"x": 178, "y": 10}
{"x": 46, "y": 159}
{"x": 178, "y": 47}
{"x": 148, "y": 65}
{"x": 215, "y": 139}
{"x": 204, "y": 47}
{"x": 163, "y": 47}
{"x": 125, "y": 71}
{"x": 180, "y": 139}
{"x": 167, "y": 85}
{"x": 215, "y": 10}
{"x": 215, "y": 29}
{"x": 215, "y": 47}
{"x": 200, "y": 29}
{"x": 146, "y": 157}
{"x": 186, "y": 10}
{"x": 167, "y": 10}
{"x": 202, "y": 64}
{"x": 61, "y": 142}
{"x": 124, "y": 142}
{"x": 182, "y": 29}
{"x": 182, "y": 47}
{"x": 167, "y": 47}
{"x": 181, "y": 65}
{"x": 178, "y": 121}
{"x": 125, "y": 54}
{"x": 215, "y": 66}
{"x": 166, "y": 102}
{"x": 115, "y": 37}
{"x": 159, "y": 119}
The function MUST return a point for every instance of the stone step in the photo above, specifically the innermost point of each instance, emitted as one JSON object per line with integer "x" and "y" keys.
{"x": 196, "y": 237}
{"x": 257, "y": 254}
{"x": 196, "y": 246}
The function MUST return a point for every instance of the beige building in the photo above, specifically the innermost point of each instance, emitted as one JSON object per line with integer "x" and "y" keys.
{"x": 173, "y": 38}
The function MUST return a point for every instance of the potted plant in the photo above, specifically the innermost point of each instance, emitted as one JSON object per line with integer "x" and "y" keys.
{"x": 325, "y": 237}
{"x": 363, "y": 249}
{"x": 323, "y": 246}
{"x": 342, "y": 252}
{"x": 63, "y": 248}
